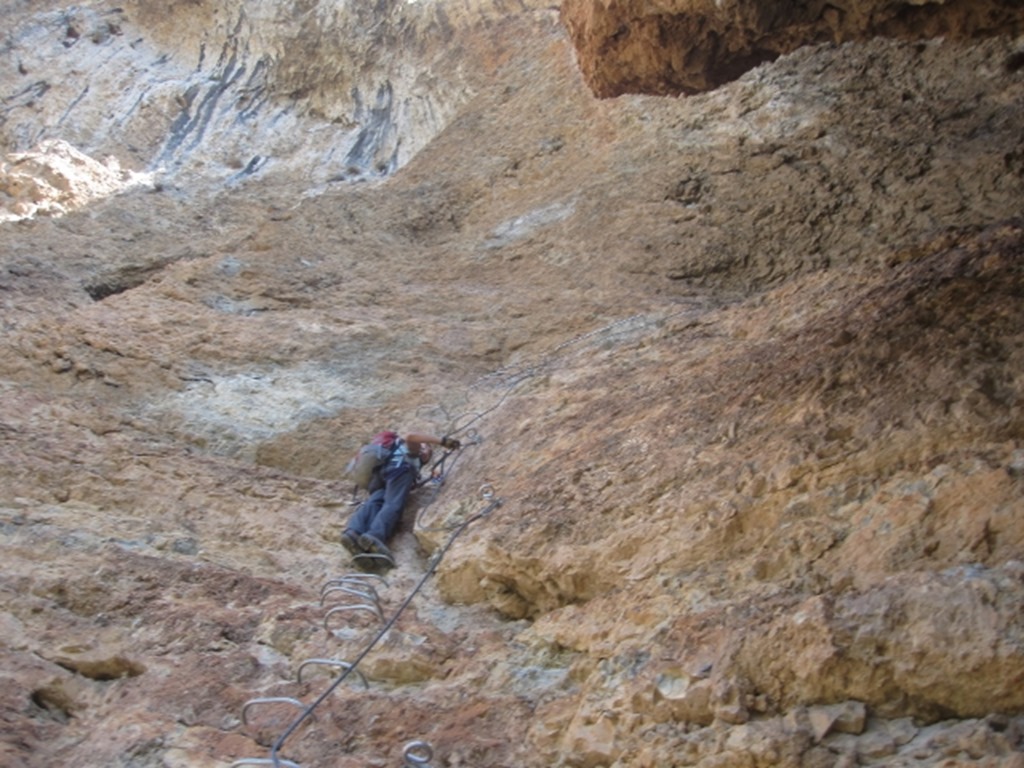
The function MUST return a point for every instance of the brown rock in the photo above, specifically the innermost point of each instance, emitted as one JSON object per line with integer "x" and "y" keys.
{"x": 690, "y": 46}
{"x": 847, "y": 717}
{"x": 689, "y": 700}
{"x": 742, "y": 369}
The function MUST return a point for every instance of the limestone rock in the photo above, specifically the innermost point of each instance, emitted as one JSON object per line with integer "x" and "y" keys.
{"x": 55, "y": 178}
{"x": 737, "y": 378}
{"x": 846, "y": 717}
{"x": 690, "y": 46}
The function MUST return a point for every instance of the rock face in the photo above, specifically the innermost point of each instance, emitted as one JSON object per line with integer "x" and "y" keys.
{"x": 233, "y": 91}
{"x": 691, "y": 46}
{"x": 57, "y": 178}
{"x": 738, "y": 377}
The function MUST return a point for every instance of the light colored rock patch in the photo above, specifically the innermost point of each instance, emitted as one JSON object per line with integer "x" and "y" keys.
{"x": 523, "y": 226}
{"x": 231, "y": 414}
{"x": 55, "y": 178}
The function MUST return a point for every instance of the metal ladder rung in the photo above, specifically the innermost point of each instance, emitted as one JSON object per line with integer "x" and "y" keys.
{"x": 354, "y": 578}
{"x": 417, "y": 754}
{"x": 369, "y": 594}
{"x": 270, "y": 700}
{"x": 374, "y": 609}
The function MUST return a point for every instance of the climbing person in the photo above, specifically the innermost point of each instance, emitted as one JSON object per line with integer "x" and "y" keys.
{"x": 376, "y": 519}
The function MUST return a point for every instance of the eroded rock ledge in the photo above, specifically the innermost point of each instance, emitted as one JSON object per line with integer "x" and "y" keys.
{"x": 691, "y": 46}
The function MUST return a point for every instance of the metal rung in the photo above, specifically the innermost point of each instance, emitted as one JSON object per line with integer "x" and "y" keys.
{"x": 353, "y": 578}
{"x": 332, "y": 663}
{"x": 347, "y": 583}
{"x": 369, "y": 594}
{"x": 418, "y": 754}
{"x": 265, "y": 761}
{"x": 374, "y": 609}
{"x": 270, "y": 700}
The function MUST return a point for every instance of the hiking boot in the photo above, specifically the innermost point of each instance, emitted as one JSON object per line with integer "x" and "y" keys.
{"x": 349, "y": 542}
{"x": 375, "y": 546}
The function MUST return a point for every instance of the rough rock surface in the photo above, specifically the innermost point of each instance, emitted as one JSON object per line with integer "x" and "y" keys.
{"x": 739, "y": 375}
{"x": 690, "y": 46}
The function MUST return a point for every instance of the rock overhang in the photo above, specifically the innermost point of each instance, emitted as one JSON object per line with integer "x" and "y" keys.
{"x": 682, "y": 47}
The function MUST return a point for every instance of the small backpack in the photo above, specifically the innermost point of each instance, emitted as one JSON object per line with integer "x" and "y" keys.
{"x": 362, "y": 468}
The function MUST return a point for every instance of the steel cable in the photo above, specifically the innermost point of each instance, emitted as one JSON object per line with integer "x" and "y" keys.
{"x": 435, "y": 560}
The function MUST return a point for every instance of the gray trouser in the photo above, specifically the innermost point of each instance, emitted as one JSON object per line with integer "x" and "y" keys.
{"x": 381, "y": 513}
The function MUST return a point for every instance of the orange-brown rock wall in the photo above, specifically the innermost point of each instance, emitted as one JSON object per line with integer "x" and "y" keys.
{"x": 690, "y": 46}
{"x": 737, "y": 377}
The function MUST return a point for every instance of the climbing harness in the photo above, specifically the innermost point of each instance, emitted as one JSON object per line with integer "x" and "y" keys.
{"x": 436, "y": 473}
{"x": 433, "y": 481}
